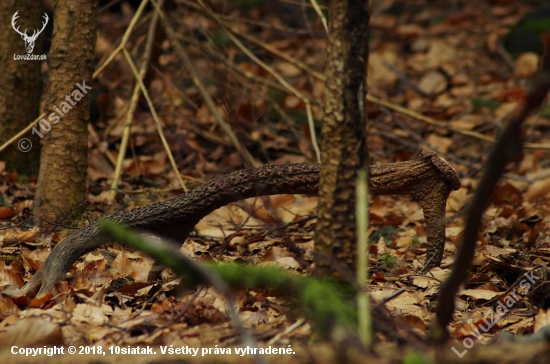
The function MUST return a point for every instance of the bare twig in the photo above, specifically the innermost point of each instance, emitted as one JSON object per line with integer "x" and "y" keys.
{"x": 320, "y": 14}
{"x": 155, "y": 117}
{"x": 21, "y": 133}
{"x": 96, "y": 139}
{"x": 245, "y": 154}
{"x": 176, "y": 88}
{"x": 182, "y": 312}
{"x": 431, "y": 121}
{"x": 388, "y": 298}
{"x": 405, "y": 79}
{"x": 124, "y": 40}
{"x": 508, "y": 145}
{"x": 287, "y": 331}
{"x": 376, "y": 100}
{"x": 277, "y": 76}
{"x": 302, "y": 3}
{"x": 385, "y": 103}
{"x": 256, "y": 23}
{"x": 133, "y": 104}
{"x": 509, "y": 61}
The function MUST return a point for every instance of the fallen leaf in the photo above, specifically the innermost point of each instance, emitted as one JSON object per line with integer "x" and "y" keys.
{"x": 288, "y": 263}
{"x": 18, "y": 236}
{"x": 433, "y": 83}
{"x": 439, "y": 142}
{"x": 542, "y": 319}
{"x": 88, "y": 313}
{"x": 537, "y": 189}
{"x": 31, "y": 331}
{"x": 6, "y": 212}
{"x": 287, "y": 69}
{"x": 479, "y": 294}
{"x": 526, "y": 64}
{"x": 7, "y": 306}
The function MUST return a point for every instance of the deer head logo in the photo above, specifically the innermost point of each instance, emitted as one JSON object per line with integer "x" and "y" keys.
{"x": 29, "y": 40}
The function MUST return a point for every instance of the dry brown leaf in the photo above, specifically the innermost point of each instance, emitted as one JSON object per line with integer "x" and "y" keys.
{"x": 479, "y": 294}
{"x": 433, "y": 82}
{"x": 18, "y": 236}
{"x": 413, "y": 321}
{"x": 467, "y": 123}
{"x": 519, "y": 324}
{"x": 89, "y": 313}
{"x": 439, "y": 142}
{"x": 526, "y": 64}
{"x": 453, "y": 231}
{"x": 495, "y": 251}
{"x": 380, "y": 294}
{"x": 410, "y": 30}
{"x": 292, "y": 102}
{"x": 445, "y": 101}
{"x": 6, "y": 212}
{"x": 7, "y": 306}
{"x": 379, "y": 74}
{"x": 41, "y": 301}
{"x": 122, "y": 264}
{"x": 507, "y": 193}
{"x": 405, "y": 298}
{"x": 542, "y": 319}
{"x": 279, "y": 201}
{"x": 378, "y": 209}
{"x": 439, "y": 53}
{"x": 35, "y": 258}
{"x": 440, "y": 273}
{"x": 537, "y": 189}
{"x": 31, "y": 331}
{"x": 9, "y": 277}
{"x": 288, "y": 263}
{"x": 457, "y": 199}
{"x": 287, "y": 69}
{"x": 274, "y": 253}
{"x": 425, "y": 281}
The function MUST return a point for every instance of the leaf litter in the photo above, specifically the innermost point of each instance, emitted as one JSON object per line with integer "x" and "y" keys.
{"x": 444, "y": 63}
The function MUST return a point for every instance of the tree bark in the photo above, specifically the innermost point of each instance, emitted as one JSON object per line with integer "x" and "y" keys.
{"x": 62, "y": 180}
{"x": 343, "y": 145}
{"x": 21, "y": 82}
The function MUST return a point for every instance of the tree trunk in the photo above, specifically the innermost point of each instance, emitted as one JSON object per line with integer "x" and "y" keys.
{"x": 21, "y": 82}
{"x": 343, "y": 144}
{"x": 62, "y": 180}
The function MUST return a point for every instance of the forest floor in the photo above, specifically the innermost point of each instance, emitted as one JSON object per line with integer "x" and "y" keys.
{"x": 457, "y": 70}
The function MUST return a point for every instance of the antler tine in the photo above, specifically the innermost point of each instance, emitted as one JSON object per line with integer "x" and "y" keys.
{"x": 34, "y": 34}
{"x": 44, "y": 23}
{"x": 13, "y": 19}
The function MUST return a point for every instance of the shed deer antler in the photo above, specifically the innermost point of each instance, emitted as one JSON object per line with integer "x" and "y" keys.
{"x": 29, "y": 40}
{"x": 428, "y": 178}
